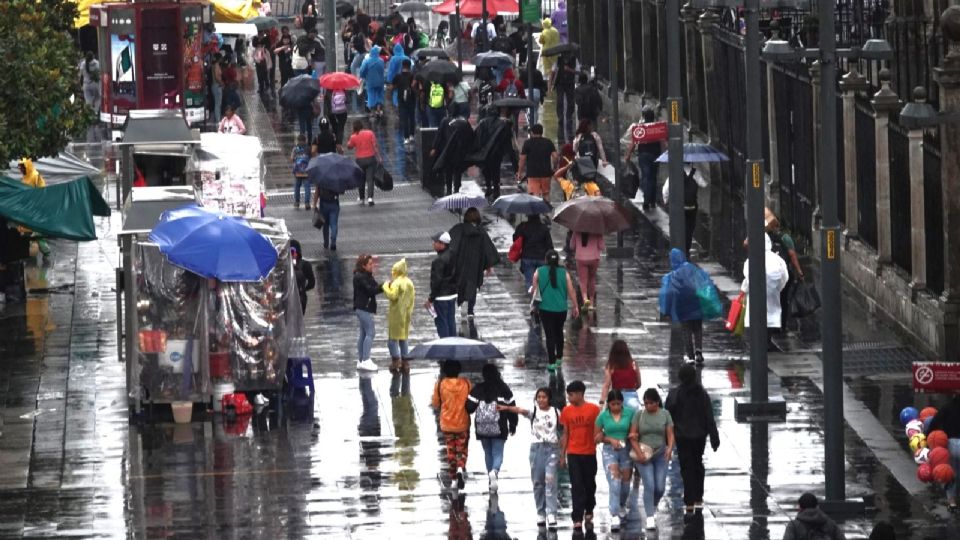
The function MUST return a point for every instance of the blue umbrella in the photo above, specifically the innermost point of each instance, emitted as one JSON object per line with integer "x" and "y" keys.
{"x": 334, "y": 172}
{"x": 459, "y": 201}
{"x": 214, "y": 245}
{"x": 456, "y": 348}
{"x": 521, "y": 203}
{"x": 697, "y": 153}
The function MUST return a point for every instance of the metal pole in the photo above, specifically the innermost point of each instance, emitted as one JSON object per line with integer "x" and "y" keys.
{"x": 754, "y": 188}
{"x": 530, "y": 66}
{"x": 614, "y": 103}
{"x": 831, "y": 328}
{"x": 330, "y": 32}
{"x": 483, "y": 29}
{"x": 459, "y": 37}
{"x": 674, "y": 102}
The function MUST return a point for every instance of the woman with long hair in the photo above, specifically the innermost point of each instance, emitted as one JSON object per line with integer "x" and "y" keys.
{"x": 651, "y": 437}
{"x": 690, "y": 408}
{"x": 553, "y": 286}
{"x": 365, "y": 291}
{"x": 367, "y": 153}
{"x": 622, "y": 373}
{"x": 449, "y": 398}
{"x": 612, "y": 429}
{"x": 492, "y": 423}
{"x": 587, "y": 250}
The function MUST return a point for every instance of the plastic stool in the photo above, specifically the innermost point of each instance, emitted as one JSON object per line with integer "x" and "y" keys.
{"x": 299, "y": 378}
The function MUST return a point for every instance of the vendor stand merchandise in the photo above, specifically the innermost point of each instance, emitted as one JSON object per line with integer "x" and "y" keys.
{"x": 229, "y": 173}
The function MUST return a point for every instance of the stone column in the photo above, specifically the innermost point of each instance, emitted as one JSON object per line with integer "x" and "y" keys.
{"x": 850, "y": 84}
{"x": 884, "y": 102}
{"x": 918, "y": 234}
{"x": 948, "y": 79}
{"x": 708, "y": 24}
{"x": 688, "y": 17}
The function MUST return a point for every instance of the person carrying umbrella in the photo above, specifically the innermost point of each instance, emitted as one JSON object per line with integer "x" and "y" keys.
{"x": 453, "y": 141}
{"x": 372, "y": 73}
{"x": 491, "y": 424}
{"x": 692, "y": 181}
{"x": 587, "y": 248}
{"x": 442, "y": 302}
{"x": 367, "y": 154}
{"x": 494, "y": 138}
{"x": 303, "y": 273}
{"x": 553, "y": 286}
{"x": 536, "y": 243}
{"x": 687, "y": 296}
{"x": 365, "y": 291}
{"x": 450, "y": 395}
{"x": 693, "y": 421}
{"x": 402, "y": 296}
{"x": 562, "y": 78}
{"x": 474, "y": 254}
{"x": 537, "y": 158}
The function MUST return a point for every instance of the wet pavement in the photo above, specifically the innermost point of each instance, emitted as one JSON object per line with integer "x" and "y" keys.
{"x": 369, "y": 461}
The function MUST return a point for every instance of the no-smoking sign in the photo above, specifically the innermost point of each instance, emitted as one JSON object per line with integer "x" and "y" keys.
{"x": 936, "y": 377}
{"x": 649, "y": 132}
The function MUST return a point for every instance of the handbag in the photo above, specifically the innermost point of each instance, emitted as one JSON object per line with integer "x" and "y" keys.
{"x": 298, "y": 61}
{"x": 516, "y": 248}
{"x": 645, "y": 449}
{"x": 739, "y": 329}
{"x": 382, "y": 178}
{"x": 736, "y": 309}
{"x": 805, "y": 300}
{"x": 317, "y": 219}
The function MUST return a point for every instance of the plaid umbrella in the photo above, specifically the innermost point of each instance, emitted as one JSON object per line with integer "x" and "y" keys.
{"x": 697, "y": 153}
{"x": 459, "y": 201}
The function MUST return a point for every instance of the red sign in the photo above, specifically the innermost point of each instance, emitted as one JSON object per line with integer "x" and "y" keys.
{"x": 936, "y": 377}
{"x": 648, "y": 133}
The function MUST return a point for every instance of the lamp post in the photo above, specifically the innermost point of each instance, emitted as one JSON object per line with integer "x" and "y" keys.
{"x": 459, "y": 36}
{"x": 675, "y": 127}
{"x": 330, "y": 34}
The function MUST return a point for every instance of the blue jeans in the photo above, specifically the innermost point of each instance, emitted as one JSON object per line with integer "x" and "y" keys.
{"x": 953, "y": 488}
{"x": 653, "y": 473}
{"x": 397, "y": 348}
{"x": 408, "y": 120}
{"x": 493, "y": 453}
{"x": 305, "y": 117}
{"x": 330, "y": 210}
{"x": 435, "y": 116}
{"x": 534, "y": 116}
{"x": 298, "y": 182}
{"x": 619, "y": 487}
{"x": 365, "y": 339}
{"x": 446, "y": 320}
{"x": 543, "y": 472}
{"x": 647, "y": 163}
{"x": 529, "y": 267}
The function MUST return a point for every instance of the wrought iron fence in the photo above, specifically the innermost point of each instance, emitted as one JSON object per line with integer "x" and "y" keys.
{"x": 900, "y": 241}
{"x": 933, "y": 216}
{"x": 866, "y": 173}
{"x": 793, "y": 102}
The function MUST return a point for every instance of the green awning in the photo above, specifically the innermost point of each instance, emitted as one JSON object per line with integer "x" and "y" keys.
{"x": 60, "y": 211}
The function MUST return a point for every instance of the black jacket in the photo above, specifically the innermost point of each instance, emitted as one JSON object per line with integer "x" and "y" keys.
{"x": 494, "y": 391}
{"x": 812, "y": 519}
{"x": 536, "y": 239}
{"x": 443, "y": 275}
{"x": 948, "y": 419}
{"x": 689, "y": 405}
{"x": 365, "y": 291}
{"x": 588, "y": 100}
{"x": 473, "y": 253}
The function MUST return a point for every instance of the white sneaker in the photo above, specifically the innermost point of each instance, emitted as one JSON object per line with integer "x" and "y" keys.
{"x": 367, "y": 365}
{"x": 360, "y": 201}
{"x": 370, "y": 201}
{"x": 615, "y": 523}
{"x": 623, "y": 512}
{"x": 552, "y": 522}
{"x": 651, "y": 523}
{"x": 541, "y": 520}
{"x": 493, "y": 481}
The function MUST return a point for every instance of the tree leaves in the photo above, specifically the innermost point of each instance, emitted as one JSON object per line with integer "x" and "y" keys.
{"x": 41, "y": 101}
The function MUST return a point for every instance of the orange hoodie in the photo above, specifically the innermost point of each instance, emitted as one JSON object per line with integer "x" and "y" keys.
{"x": 450, "y": 396}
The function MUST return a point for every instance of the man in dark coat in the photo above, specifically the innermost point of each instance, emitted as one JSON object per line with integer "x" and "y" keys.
{"x": 443, "y": 287}
{"x": 474, "y": 254}
{"x": 453, "y": 142}
{"x": 494, "y": 138}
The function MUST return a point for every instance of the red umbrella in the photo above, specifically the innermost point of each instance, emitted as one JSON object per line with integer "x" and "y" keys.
{"x": 474, "y": 8}
{"x": 339, "y": 80}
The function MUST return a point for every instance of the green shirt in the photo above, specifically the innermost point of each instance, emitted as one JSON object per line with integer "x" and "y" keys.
{"x": 552, "y": 298}
{"x": 614, "y": 429}
{"x": 652, "y": 427}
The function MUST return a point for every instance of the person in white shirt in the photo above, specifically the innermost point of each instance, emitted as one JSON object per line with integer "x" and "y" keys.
{"x": 777, "y": 276}
{"x": 491, "y": 34}
{"x": 692, "y": 181}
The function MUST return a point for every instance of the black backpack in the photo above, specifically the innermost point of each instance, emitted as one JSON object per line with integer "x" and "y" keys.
{"x": 588, "y": 148}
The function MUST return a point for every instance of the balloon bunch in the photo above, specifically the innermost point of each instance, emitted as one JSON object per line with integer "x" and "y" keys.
{"x": 929, "y": 447}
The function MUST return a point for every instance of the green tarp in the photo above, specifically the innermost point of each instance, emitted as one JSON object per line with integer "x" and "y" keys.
{"x": 59, "y": 211}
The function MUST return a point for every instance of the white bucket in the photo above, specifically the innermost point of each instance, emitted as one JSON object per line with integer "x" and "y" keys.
{"x": 182, "y": 411}
{"x": 220, "y": 390}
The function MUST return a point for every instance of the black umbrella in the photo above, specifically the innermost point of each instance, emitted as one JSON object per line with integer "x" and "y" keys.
{"x": 439, "y": 71}
{"x": 513, "y": 103}
{"x": 299, "y": 91}
{"x": 561, "y": 49}
{"x": 345, "y": 9}
{"x": 413, "y": 7}
{"x": 430, "y": 52}
{"x": 264, "y": 23}
{"x": 334, "y": 172}
{"x": 456, "y": 348}
{"x": 493, "y": 59}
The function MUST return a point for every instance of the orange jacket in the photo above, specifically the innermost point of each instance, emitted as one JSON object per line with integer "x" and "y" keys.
{"x": 450, "y": 396}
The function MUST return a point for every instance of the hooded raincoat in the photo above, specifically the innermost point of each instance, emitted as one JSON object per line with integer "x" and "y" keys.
{"x": 687, "y": 293}
{"x": 812, "y": 519}
{"x": 559, "y": 19}
{"x": 402, "y": 296}
{"x": 31, "y": 176}
{"x": 550, "y": 37}
{"x": 372, "y": 71}
{"x": 396, "y": 63}
{"x": 473, "y": 253}
{"x": 776, "y": 280}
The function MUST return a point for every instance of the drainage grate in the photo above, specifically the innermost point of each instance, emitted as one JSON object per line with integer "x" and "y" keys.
{"x": 871, "y": 358}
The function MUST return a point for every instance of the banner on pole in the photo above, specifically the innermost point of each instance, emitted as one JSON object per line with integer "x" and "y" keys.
{"x": 530, "y": 11}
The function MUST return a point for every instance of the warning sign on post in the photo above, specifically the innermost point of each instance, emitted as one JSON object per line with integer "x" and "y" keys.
{"x": 648, "y": 133}
{"x": 936, "y": 377}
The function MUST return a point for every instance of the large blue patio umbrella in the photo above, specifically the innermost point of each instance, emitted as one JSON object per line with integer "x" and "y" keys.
{"x": 697, "y": 153}
{"x": 214, "y": 245}
{"x": 334, "y": 172}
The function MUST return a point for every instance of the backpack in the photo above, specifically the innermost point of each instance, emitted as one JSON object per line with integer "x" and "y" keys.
{"x": 301, "y": 157}
{"x": 511, "y": 91}
{"x": 436, "y": 96}
{"x": 588, "y": 147}
{"x": 423, "y": 40}
{"x": 801, "y": 532}
{"x": 690, "y": 188}
{"x": 338, "y": 102}
{"x": 487, "y": 419}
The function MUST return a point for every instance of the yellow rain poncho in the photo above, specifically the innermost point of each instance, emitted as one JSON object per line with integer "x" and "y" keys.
{"x": 402, "y": 296}
{"x": 549, "y": 37}
{"x": 31, "y": 176}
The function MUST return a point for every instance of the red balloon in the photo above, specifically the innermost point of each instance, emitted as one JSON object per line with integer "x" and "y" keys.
{"x": 937, "y": 439}
{"x": 924, "y": 472}
{"x": 938, "y": 456}
{"x": 927, "y": 412}
{"x": 943, "y": 474}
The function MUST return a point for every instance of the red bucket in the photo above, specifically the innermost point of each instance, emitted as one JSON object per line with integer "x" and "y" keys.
{"x": 220, "y": 365}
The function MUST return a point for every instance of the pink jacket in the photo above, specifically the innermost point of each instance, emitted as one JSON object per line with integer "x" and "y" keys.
{"x": 590, "y": 252}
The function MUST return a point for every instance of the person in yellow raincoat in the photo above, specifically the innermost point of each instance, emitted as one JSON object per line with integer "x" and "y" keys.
{"x": 32, "y": 178}
{"x": 549, "y": 37}
{"x": 402, "y": 296}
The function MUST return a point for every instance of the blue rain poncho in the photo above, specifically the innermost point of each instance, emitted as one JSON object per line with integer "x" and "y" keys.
{"x": 687, "y": 293}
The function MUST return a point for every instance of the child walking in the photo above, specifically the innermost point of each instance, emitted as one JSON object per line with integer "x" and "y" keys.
{"x": 300, "y": 156}
{"x": 450, "y": 396}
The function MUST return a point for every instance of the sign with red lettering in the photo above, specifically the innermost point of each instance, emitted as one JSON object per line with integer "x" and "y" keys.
{"x": 648, "y": 133}
{"x": 936, "y": 377}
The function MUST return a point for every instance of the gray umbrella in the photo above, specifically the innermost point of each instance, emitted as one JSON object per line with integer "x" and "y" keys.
{"x": 495, "y": 59}
{"x": 430, "y": 52}
{"x": 413, "y": 7}
{"x": 513, "y": 103}
{"x": 299, "y": 91}
{"x": 456, "y": 348}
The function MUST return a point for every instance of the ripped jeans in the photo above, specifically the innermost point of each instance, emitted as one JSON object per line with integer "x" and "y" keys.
{"x": 543, "y": 472}
{"x": 619, "y": 484}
